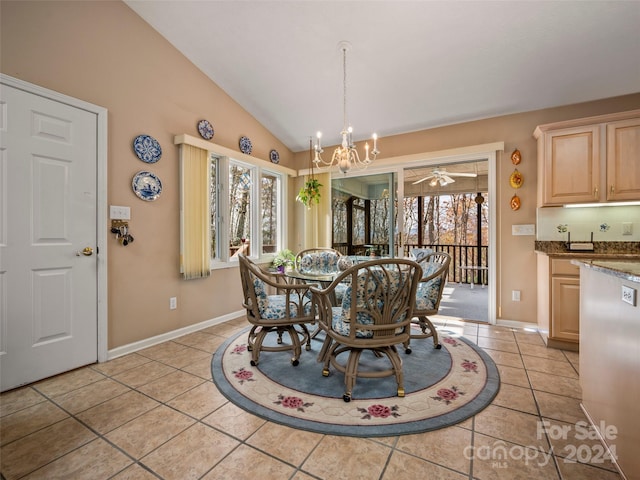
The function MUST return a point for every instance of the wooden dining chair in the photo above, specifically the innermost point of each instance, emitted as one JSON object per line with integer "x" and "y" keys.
{"x": 375, "y": 315}
{"x": 289, "y": 311}
{"x": 435, "y": 269}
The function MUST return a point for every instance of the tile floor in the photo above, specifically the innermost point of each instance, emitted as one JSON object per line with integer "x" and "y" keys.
{"x": 157, "y": 414}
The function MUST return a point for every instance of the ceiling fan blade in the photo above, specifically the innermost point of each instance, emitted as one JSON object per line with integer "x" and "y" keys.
{"x": 453, "y": 174}
{"x": 447, "y": 179}
{"x": 423, "y": 179}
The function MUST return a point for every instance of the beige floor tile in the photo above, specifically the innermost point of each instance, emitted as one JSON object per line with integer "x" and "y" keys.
{"x": 289, "y": 444}
{"x": 498, "y": 344}
{"x": 120, "y": 364}
{"x": 90, "y": 395}
{"x": 135, "y": 472}
{"x": 545, "y": 382}
{"x": 302, "y": 476}
{"x": 186, "y": 357}
{"x": 162, "y": 351}
{"x": 226, "y": 329}
{"x": 367, "y": 464}
{"x": 403, "y": 466}
{"x": 516, "y": 398}
{"x": 445, "y": 446}
{"x": 505, "y": 358}
{"x": 195, "y": 338}
{"x": 513, "y": 376}
{"x": 234, "y": 421}
{"x": 148, "y": 431}
{"x": 559, "y": 407}
{"x": 190, "y": 454}
{"x": 200, "y": 368}
{"x": 248, "y": 463}
{"x": 577, "y": 442}
{"x": 14, "y": 400}
{"x": 199, "y": 401}
{"x": 524, "y": 336}
{"x": 545, "y": 365}
{"x": 29, "y": 420}
{"x": 579, "y": 471}
{"x": 67, "y": 382}
{"x": 542, "y": 351}
{"x": 117, "y": 411}
{"x": 211, "y": 344}
{"x": 500, "y": 333}
{"x": 138, "y": 376}
{"x": 38, "y": 449}
{"x": 500, "y": 460}
{"x": 511, "y": 426}
{"x": 170, "y": 386}
{"x": 93, "y": 461}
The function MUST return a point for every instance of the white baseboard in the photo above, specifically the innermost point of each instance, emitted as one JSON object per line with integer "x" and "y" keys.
{"x": 517, "y": 324}
{"x": 149, "y": 342}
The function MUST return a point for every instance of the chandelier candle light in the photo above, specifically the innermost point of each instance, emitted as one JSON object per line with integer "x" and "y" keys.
{"x": 345, "y": 156}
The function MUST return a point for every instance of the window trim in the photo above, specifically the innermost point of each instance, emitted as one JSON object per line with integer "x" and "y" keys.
{"x": 258, "y": 166}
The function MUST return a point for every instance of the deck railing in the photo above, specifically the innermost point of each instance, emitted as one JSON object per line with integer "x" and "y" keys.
{"x": 462, "y": 258}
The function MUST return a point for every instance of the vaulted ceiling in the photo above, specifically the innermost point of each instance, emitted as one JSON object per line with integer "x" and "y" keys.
{"x": 412, "y": 65}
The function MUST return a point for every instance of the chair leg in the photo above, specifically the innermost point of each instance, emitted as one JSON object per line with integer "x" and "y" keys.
{"x": 255, "y": 342}
{"x": 351, "y": 373}
{"x": 396, "y": 361}
{"x": 426, "y": 322}
{"x": 295, "y": 341}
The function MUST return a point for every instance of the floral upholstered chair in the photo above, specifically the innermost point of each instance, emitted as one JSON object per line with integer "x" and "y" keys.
{"x": 375, "y": 314}
{"x": 275, "y": 313}
{"x": 323, "y": 261}
{"x": 418, "y": 253}
{"x": 435, "y": 269}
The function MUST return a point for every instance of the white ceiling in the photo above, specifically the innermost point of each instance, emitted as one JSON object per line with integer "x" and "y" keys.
{"x": 413, "y": 64}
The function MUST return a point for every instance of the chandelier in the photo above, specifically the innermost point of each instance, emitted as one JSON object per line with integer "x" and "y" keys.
{"x": 345, "y": 156}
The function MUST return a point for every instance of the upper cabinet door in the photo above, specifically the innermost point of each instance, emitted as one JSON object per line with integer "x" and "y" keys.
{"x": 623, "y": 160}
{"x": 571, "y": 165}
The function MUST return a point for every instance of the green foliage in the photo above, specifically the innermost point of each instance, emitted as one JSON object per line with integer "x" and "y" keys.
{"x": 284, "y": 257}
{"x": 310, "y": 192}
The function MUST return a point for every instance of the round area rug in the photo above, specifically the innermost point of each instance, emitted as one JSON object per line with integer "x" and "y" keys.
{"x": 442, "y": 387}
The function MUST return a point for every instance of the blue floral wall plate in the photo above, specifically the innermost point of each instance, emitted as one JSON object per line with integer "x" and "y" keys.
{"x": 146, "y": 186}
{"x": 245, "y": 145}
{"x": 205, "y": 129}
{"x": 274, "y": 156}
{"x": 147, "y": 148}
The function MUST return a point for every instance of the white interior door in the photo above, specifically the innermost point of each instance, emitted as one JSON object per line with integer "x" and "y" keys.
{"x": 48, "y": 285}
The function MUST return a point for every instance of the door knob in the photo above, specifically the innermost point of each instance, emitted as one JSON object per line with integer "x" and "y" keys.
{"x": 86, "y": 251}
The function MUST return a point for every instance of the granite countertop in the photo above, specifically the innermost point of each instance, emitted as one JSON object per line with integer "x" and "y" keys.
{"x": 629, "y": 271}
{"x": 602, "y": 250}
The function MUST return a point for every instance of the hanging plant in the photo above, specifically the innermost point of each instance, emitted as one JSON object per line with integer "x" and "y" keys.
{"x": 310, "y": 192}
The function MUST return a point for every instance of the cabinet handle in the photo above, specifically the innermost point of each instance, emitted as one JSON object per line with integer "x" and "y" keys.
{"x": 611, "y": 189}
{"x": 595, "y": 192}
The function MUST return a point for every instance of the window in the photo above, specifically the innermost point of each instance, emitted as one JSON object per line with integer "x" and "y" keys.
{"x": 253, "y": 210}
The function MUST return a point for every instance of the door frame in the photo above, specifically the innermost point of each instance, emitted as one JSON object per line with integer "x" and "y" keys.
{"x": 101, "y": 196}
{"x": 487, "y": 152}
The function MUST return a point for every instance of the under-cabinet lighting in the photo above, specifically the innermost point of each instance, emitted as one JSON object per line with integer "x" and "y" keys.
{"x": 607, "y": 204}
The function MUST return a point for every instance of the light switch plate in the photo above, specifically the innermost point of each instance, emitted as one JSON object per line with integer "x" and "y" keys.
{"x": 528, "y": 229}
{"x": 119, "y": 213}
{"x": 629, "y": 295}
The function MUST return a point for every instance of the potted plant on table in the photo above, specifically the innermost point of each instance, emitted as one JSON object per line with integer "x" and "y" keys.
{"x": 284, "y": 259}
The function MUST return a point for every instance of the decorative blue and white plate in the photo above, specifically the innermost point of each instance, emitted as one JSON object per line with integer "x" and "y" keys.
{"x": 274, "y": 156}
{"x": 147, "y": 148}
{"x": 245, "y": 145}
{"x": 205, "y": 129}
{"x": 146, "y": 186}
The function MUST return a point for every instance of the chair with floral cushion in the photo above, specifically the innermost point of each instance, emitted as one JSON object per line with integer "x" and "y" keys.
{"x": 323, "y": 261}
{"x": 375, "y": 315}
{"x": 435, "y": 269}
{"x": 290, "y": 308}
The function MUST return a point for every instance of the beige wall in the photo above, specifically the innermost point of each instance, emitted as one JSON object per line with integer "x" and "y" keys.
{"x": 103, "y": 53}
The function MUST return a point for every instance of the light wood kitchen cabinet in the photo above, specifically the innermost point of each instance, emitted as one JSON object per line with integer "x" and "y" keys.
{"x": 559, "y": 302}
{"x": 589, "y": 160}
{"x": 623, "y": 160}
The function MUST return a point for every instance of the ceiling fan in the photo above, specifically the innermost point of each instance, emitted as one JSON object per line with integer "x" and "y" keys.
{"x": 441, "y": 176}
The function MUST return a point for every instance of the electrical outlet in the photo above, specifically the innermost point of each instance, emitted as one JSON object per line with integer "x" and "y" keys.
{"x": 119, "y": 213}
{"x": 515, "y": 295}
{"x": 627, "y": 228}
{"x": 173, "y": 303}
{"x": 629, "y": 295}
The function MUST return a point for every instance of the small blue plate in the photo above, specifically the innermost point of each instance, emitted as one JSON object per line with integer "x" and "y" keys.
{"x": 205, "y": 129}
{"x": 274, "y": 156}
{"x": 147, "y": 148}
{"x": 147, "y": 186}
{"x": 245, "y": 145}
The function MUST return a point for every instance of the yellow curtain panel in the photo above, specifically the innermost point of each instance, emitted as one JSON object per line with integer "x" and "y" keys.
{"x": 195, "y": 241}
